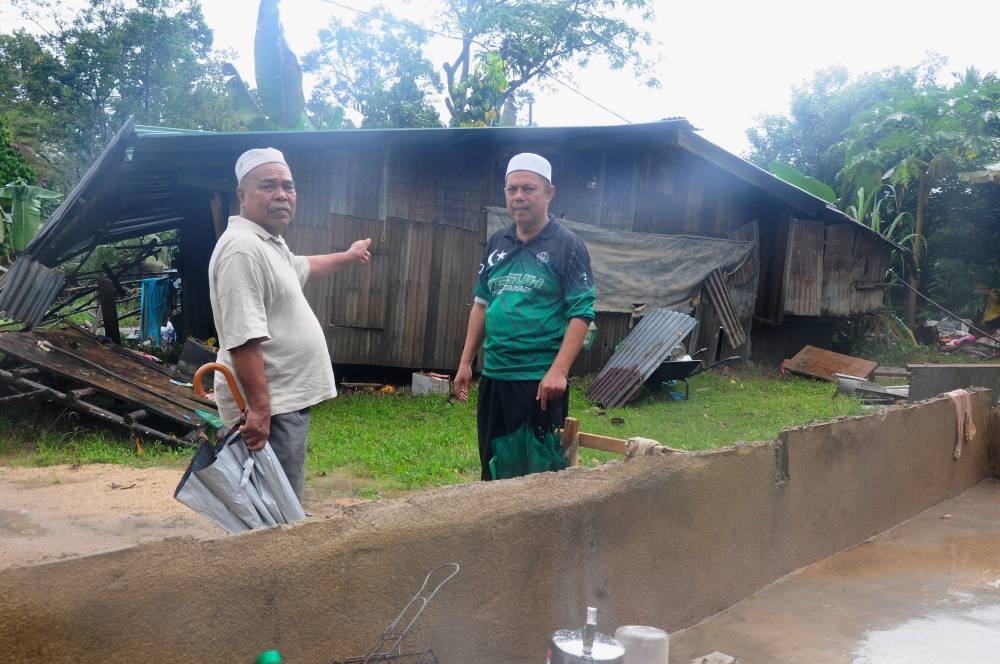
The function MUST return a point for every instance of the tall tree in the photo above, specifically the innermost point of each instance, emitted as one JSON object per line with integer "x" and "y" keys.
{"x": 920, "y": 137}
{"x": 376, "y": 67}
{"x": 539, "y": 39}
{"x": 13, "y": 165}
{"x": 809, "y": 138}
{"x": 150, "y": 59}
{"x": 504, "y": 46}
{"x": 30, "y": 95}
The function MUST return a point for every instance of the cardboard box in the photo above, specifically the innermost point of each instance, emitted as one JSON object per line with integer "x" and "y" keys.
{"x": 425, "y": 383}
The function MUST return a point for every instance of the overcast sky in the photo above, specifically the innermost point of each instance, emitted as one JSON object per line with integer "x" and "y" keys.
{"x": 722, "y": 63}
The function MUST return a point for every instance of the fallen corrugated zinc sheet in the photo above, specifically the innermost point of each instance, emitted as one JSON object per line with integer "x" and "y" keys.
{"x": 640, "y": 354}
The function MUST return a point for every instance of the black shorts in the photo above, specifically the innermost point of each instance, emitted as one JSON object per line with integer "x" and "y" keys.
{"x": 505, "y": 406}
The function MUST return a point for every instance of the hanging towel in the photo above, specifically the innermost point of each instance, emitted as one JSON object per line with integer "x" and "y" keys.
{"x": 155, "y": 297}
{"x": 965, "y": 427}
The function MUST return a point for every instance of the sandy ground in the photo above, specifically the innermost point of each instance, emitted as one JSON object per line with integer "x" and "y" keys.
{"x": 57, "y": 512}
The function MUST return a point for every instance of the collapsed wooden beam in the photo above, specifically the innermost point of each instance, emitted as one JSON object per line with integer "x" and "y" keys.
{"x": 76, "y": 403}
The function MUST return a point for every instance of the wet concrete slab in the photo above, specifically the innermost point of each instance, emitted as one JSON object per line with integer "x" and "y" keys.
{"x": 926, "y": 591}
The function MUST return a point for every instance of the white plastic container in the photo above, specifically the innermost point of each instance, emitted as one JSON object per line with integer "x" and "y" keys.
{"x": 644, "y": 645}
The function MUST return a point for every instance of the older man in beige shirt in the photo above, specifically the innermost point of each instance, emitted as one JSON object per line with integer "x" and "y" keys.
{"x": 268, "y": 333}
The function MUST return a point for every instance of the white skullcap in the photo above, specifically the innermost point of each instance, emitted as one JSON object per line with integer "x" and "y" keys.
{"x": 251, "y": 159}
{"x": 529, "y": 161}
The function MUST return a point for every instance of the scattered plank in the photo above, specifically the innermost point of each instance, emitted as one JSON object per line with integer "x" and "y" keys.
{"x": 825, "y": 365}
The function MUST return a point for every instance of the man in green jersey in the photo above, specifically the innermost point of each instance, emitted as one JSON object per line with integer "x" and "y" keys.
{"x": 534, "y": 300}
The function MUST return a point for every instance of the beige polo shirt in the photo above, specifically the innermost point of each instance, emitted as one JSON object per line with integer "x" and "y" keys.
{"x": 256, "y": 291}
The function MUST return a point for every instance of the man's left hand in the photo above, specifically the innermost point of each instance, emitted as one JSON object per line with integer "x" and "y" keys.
{"x": 552, "y": 386}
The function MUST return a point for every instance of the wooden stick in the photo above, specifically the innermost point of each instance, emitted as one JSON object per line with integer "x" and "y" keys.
{"x": 604, "y": 443}
{"x": 571, "y": 440}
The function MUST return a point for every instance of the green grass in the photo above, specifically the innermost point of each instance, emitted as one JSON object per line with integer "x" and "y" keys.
{"x": 384, "y": 444}
{"x": 46, "y": 434}
{"x": 400, "y": 441}
{"x": 746, "y": 405}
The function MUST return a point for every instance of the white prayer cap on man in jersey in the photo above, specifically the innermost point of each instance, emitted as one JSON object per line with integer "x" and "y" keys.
{"x": 251, "y": 159}
{"x": 529, "y": 161}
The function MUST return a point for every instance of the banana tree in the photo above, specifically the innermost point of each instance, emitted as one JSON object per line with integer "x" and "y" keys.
{"x": 280, "y": 101}
{"x": 915, "y": 141}
{"x": 25, "y": 217}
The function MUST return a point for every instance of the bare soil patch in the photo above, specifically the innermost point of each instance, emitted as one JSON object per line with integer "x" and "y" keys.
{"x": 57, "y": 512}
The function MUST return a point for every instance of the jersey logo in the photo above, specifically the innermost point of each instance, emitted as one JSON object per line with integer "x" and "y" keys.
{"x": 495, "y": 257}
{"x": 542, "y": 257}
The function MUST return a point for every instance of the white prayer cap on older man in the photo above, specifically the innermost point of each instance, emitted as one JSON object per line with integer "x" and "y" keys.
{"x": 251, "y": 159}
{"x": 529, "y": 161}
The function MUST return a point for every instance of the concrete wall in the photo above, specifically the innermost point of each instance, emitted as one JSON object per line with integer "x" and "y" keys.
{"x": 665, "y": 541}
{"x": 930, "y": 380}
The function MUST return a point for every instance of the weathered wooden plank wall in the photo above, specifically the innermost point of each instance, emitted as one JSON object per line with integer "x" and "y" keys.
{"x": 770, "y": 307}
{"x": 424, "y": 211}
{"x": 454, "y": 267}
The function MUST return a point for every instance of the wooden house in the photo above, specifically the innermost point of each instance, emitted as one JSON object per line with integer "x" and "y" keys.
{"x": 425, "y": 195}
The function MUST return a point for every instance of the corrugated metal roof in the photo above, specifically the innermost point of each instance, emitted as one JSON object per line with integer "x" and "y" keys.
{"x": 639, "y": 355}
{"x": 28, "y": 290}
{"x": 718, "y": 292}
{"x": 132, "y": 188}
{"x": 147, "y": 178}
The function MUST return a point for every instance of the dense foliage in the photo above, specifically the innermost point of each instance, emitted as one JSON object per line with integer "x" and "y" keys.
{"x": 13, "y": 165}
{"x": 377, "y": 65}
{"x": 894, "y": 143}
{"x": 66, "y": 90}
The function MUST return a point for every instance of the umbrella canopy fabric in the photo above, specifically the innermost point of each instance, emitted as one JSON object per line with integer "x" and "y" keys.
{"x": 237, "y": 489}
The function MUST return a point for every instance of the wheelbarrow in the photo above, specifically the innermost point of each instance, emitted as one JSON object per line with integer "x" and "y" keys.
{"x": 681, "y": 370}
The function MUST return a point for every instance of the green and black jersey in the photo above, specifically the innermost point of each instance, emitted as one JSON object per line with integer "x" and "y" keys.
{"x": 531, "y": 291}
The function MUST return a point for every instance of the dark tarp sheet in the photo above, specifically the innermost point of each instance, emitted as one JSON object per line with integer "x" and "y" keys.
{"x": 661, "y": 271}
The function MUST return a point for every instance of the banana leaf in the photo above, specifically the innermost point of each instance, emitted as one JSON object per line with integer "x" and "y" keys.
{"x": 279, "y": 75}
{"x": 521, "y": 453}
{"x": 25, "y": 203}
{"x": 241, "y": 102}
{"x": 803, "y": 181}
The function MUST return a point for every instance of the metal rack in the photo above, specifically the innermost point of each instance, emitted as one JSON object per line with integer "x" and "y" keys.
{"x": 388, "y": 645}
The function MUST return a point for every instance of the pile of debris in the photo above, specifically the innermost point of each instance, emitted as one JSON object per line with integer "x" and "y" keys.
{"x": 97, "y": 377}
{"x": 955, "y": 336}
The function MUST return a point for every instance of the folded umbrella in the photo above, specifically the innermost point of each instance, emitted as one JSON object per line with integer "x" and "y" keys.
{"x": 235, "y": 488}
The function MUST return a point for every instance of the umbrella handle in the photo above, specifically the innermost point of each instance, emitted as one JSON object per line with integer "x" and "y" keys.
{"x": 224, "y": 370}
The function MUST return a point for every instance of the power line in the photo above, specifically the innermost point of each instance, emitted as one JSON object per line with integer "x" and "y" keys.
{"x": 485, "y": 46}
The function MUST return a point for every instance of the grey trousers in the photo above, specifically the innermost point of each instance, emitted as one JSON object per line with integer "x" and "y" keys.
{"x": 288, "y": 440}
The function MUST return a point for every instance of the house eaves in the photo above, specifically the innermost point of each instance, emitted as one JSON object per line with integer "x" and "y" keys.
{"x": 128, "y": 191}
{"x": 806, "y": 204}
